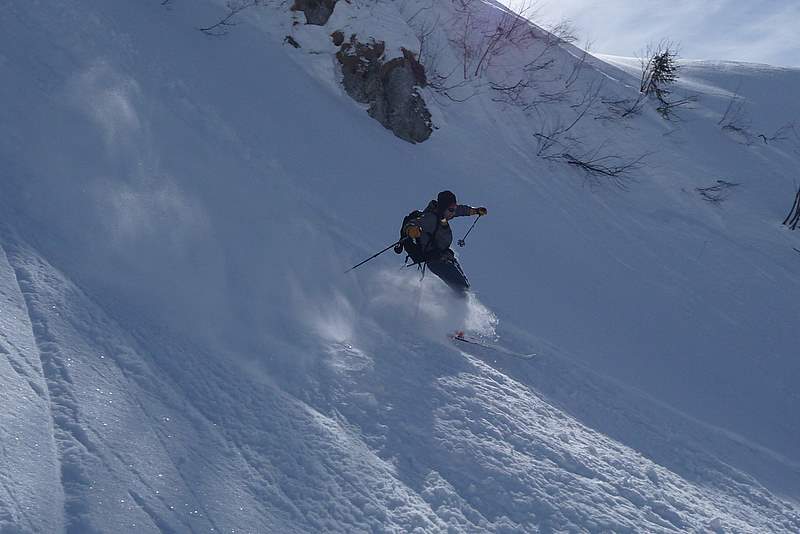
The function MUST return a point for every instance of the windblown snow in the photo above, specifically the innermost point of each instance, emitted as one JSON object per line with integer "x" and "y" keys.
{"x": 181, "y": 351}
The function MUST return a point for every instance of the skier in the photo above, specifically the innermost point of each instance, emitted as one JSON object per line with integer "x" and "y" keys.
{"x": 430, "y": 238}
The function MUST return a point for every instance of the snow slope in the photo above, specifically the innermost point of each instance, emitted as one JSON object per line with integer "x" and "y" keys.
{"x": 182, "y": 353}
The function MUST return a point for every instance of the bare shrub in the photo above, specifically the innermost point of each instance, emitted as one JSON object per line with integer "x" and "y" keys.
{"x": 598, "y": 163}
{"x": 625, "y": 107}
{"x": 736, "y": 120}
{"x": 781, "y": 134}
{"x": 223, "y": 25}
{"x": 553, "y": 135}
{"x": 793, "y": 218}
{"x": 716, "y": 193}
{"x": 480, "y": 39}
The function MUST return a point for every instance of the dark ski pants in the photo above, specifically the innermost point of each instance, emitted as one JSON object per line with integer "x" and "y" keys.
{"x": 451, "y": 274}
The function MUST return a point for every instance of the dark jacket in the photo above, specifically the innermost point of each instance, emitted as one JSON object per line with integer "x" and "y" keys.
{"x": 436, "y": 235}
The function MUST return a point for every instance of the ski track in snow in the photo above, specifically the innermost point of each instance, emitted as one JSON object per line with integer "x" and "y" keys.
{"x": 72, "y": 441}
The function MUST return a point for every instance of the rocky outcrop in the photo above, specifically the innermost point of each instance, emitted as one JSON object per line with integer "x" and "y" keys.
{"x": 389, "y": 87}
{"x": 317, "y": 11}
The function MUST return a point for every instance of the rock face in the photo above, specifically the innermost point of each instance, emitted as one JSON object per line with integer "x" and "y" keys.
{"x": 317, "y": 11}
{"x": 389, "y": 87}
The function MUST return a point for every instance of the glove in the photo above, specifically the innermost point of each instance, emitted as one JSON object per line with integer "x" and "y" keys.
{"x": 413, "y": 231}
{"x": 479, "y": 211}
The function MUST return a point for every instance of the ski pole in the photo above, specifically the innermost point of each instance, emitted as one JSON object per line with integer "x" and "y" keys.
{"x": 462, "y": 242}
{"x": 376, "y": 255}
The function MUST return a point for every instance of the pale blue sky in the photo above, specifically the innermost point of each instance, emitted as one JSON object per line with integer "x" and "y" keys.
{"x": 763, "y": 31}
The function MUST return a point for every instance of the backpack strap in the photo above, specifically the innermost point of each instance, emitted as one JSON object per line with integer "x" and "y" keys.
{"x": 431, "y": 243}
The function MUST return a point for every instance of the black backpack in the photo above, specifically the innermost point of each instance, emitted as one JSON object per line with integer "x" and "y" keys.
{"x": 411, "y": 246}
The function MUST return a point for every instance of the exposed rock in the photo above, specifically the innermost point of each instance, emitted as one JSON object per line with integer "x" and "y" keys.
{"x": 291, "y": 40}
{"x": 361, "y": 66}
{"x": 338, "y": 38}
{"x": 317, "y": 11}
{"x": 390, "y": 88}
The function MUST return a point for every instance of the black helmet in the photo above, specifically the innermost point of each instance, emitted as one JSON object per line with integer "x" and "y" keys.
{"x": 444, "y": 200}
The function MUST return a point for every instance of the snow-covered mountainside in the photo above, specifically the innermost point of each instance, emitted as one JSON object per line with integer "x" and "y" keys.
{"x": 181, "y": 350}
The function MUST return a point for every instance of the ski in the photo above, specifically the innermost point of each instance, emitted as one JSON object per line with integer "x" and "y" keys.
{"x": 461, "y": 337}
